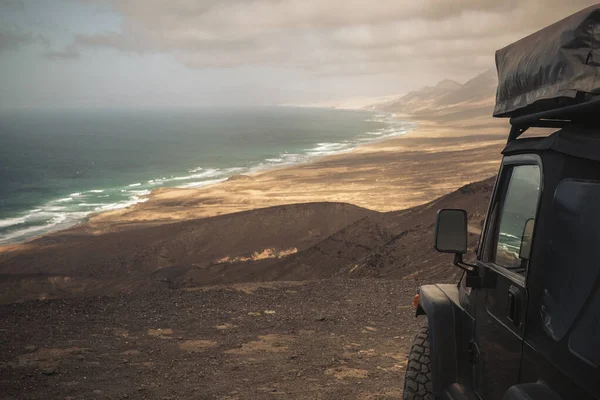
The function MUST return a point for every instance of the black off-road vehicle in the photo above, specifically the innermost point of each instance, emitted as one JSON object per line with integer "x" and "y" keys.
{"x": 524, "y": 320}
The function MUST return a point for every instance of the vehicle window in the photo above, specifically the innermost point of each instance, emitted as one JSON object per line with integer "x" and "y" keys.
{"x": 572, "y": 271}
{"x": 517, "y": 216}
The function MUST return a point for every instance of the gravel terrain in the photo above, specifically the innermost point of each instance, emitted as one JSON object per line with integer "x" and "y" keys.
{"x": 328, "y": 339}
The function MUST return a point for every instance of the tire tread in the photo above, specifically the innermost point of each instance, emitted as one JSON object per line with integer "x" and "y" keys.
{"x": 417, "y": 380}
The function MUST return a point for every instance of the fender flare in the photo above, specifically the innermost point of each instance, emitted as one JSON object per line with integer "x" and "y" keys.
{"x": 530, "y": 391}
{"x": 439, "y": 309}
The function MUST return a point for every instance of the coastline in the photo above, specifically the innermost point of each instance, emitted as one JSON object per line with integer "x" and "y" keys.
{"x": 443, "y": 153}
{"x": 64, "y": 211}
{"x": 437, "y": 157}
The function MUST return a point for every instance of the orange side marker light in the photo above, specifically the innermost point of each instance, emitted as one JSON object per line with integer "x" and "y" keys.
{"x": 416, "y": 300}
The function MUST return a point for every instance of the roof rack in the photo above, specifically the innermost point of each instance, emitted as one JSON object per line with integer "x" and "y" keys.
{"x": 586, "y": 113}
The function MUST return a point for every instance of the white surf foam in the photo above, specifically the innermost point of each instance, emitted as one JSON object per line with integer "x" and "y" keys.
{"x": 21, "y": 233}
{"x": 140, "y": 192}
{"x": 206, "y": 174}
{"x": 201, "y": 183}
{"x": 4, "y": 223}
{"x": 120, "y": 205}
{"x": 53, "y": 208}
{"x": 51, "y": 222}
{"x": 325, "y": 149}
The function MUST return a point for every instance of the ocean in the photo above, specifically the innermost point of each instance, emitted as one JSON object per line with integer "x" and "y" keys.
{"x": 59, "y": 166}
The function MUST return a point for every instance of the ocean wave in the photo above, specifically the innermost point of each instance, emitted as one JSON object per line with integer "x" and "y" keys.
{"x": 52, "y": 222}
{"x": 4, "y": 223}
{"x": 284, "y": 159}
{"x": 64, "y": 212}
{"x": 53, "y": 208}
{"x": 140, "y": 192}
{"x": 324, "y": 149}
{"x": 391, "y": 129}
{"x": 32, "y": 216}
{"x": 120, "y": 205}
{"x": 206, "y": 174}
{"x": 22, "y": 233}
{"x": 135, "y": 184}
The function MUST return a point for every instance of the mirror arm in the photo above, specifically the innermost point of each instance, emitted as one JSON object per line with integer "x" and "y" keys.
{"x": 458, "y": 261}
{"x": 472, "y": 278}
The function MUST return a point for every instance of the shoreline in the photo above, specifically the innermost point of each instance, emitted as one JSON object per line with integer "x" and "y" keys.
{"x": 390, "y": 127}
{"x": 397, "y": 127}
{"x": 438, "y": 156}
{"x": 375, "y": 176}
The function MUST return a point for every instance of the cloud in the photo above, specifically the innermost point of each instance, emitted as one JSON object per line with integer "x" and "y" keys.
{"x": 13, "y": 39}
{"x": 69, "y": 53}
{"x": 448, "y": 37}
{"x": 13, "y": 5}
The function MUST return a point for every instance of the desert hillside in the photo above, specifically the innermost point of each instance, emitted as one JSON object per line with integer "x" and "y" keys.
{"x": 292, "y": 242}
{"x": 299, "y": 301}
{"x": 286, "y": 283}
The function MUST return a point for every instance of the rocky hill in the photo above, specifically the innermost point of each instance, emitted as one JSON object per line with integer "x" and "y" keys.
{"x": 446, "y": 97}
{"x": 286, "y": 243}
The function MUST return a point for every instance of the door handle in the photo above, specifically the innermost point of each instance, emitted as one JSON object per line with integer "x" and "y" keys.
{"x": 513, "y": 305}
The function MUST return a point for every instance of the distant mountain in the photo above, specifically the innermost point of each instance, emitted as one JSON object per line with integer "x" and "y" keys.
{"x": 448, "y": 84}
{"x": 446, "y": 97}
{"x": 481, "y": 87}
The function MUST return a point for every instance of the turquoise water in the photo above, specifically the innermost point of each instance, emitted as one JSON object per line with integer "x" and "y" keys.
{"x": 57, "y": 167}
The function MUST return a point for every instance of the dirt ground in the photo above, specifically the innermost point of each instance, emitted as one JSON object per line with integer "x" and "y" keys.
{"x": 329, "y": 339}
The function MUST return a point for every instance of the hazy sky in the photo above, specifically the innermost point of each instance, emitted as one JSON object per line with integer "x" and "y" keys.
{"x": 215, "y": 52}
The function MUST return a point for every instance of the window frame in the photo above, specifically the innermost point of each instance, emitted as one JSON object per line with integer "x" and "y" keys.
{"x": 492, "y": 226}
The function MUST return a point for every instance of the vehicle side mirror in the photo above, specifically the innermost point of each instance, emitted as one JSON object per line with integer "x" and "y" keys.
{"x": 526, "y": 239}
{"x": 451, "y": 231}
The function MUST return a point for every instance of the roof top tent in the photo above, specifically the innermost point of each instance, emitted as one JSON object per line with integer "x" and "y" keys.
{"x": 551, "y": 78}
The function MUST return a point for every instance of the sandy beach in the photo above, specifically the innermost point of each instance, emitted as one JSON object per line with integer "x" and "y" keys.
{"x": 442, "y": 154}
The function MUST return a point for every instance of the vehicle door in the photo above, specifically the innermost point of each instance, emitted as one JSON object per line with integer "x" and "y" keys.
{"x": 501, "y": 303}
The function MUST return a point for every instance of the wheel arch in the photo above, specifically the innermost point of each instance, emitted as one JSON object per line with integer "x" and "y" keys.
{"x": 436, "y": 304}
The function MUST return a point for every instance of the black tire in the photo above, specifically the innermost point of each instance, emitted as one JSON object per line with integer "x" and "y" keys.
{"x": 417, "y": 380}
